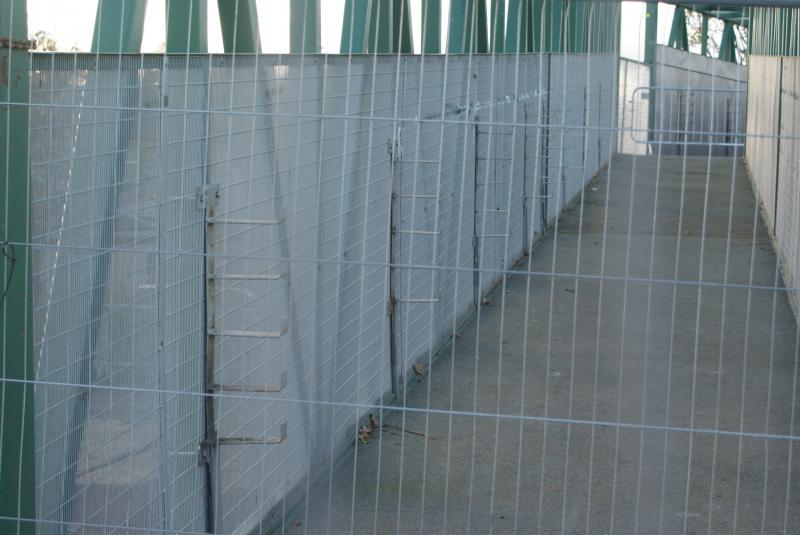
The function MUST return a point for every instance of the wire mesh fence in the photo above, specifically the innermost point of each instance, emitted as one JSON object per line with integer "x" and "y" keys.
{"x": 371, "y": 293}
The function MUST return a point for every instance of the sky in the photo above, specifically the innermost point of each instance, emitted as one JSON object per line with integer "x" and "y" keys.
{"x": 71, "y": 23}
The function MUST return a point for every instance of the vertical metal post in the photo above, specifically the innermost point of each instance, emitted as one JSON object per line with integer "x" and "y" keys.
{"x": 355, "y": 26}
{"x": 481, "y": 37}
{"x": 402, "y": 37}
{"x": 704, "y": 35}
{"x": 650, "y": 32}
{"x": 239, "y": 21}
{"x": 575, "y": 25}
{"x": 517, "y": 30}
{"x": 678, "y": 34}
{"x": 727, "y": 46}
{"x": 459, "y": 27}
{"x": 187, "y": 26}
{"x": 17, "y": 479}
{"x": 554, "y": 26}
{"x": 304, "y": 27}
{"x": 498, "y": 30}
{"x": 431, "y": 26}
{"x": 119, "y": 26}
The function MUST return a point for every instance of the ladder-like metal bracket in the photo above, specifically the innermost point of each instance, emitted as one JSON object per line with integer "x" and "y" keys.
{"x": 204, "y": 451}
{"x": 273, "y": 388}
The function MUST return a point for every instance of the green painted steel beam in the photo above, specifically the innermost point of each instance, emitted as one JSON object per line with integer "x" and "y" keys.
{"x": 704, "y": 35}
{"x": 119, "y": 26}
{"x": 388, "y": 27}
{"x": 431, "y": 27}
{"x": 17, "y": 473}
{"x": 650, "y": 32}
{"x": 481, "y": 45}
{"x": 575, "y": 26}
{"x": 239, "y": 21}
{"x": 498, "y": 28}
{"x": 355, "y": 26}
{"x": 305, "y": 33}
{"x": 462, "y": 28}
{"x": 187, "y": 26}
{"x": 554, "y": 26}
{"x": 727, "y": 45}
{"x": 678, "y": 34}
{"x": 517, "y": 26}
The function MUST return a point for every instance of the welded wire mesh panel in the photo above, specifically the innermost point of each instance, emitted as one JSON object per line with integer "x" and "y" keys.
{"x": 551, "y": 291}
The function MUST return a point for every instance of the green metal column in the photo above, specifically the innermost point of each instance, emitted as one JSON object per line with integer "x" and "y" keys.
{"x": 678, "y": 34}
{"x": 517, "y": 30}
{"x": 17, "y": 475}
{"x": 554, "y": 26}
{"x": 704, "y": 36}
{"x": 355, "y": 26}
{"x": 727, "y": 45}
{"x": 239, "y": 21}
{"x": 575, "y": 25}
{"x": 537, "y": 20}
{"x": 650, "y": 32}
{"x": 481, "y": 45}
{"x": 498, "y": 30}
{"x": 390, "y": 27}
{"x": 460, "y": 27}
{"x": 431, "y": 26}
{"x": 187, "y": 26}
{"x": 119, "y": 26}
{"x": 305, "y": 32}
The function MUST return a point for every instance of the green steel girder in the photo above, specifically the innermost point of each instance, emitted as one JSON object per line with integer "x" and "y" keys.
{"x": 239, "y": 21}
{"x": 305, "y": 33}
{"x": 678, "y": 34}
{"x": 498, "y": 29}
{"x": 704, "y": 35}
{"x": 119, "y": 26}
{"x": 575, "y": 23}
{"x": 554, "y": 26}
{"x": 650, "y": 32}
{"x": 482, "y": 27}
{"x": 355, "y": 26}
{"x": 390, "y": 27}
{"x": 727, "y": 45}
{"x": 187, "y": 26}
{"x": 17, "y": 475}
{"x": 517, "y": 26}
{"x": 459, "y": 26}
{"x": 431, "y": 27}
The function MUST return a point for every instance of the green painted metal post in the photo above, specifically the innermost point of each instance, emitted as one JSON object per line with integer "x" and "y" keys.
{"x": 554, "y": 26}
{"x": 431, "y": 27}
{"x": 460, "y": 27}
{"x": 517, "y": 29}
{"x": 187, "y": 26}
{"x": 498, "y": 29}
{"x": 727, "y": 45}
{"x": 704, "y": 36}
{"x": 650, "y": 32}
{"x": 239, "y": 21}
{"x": 678, "y": 34}
{"x": 380, "y": 27}
{"x": 305, "y": 33}
{"x": 119, "y": 26}
{"x": 575, "y": 26}
{"x": 17, "y": 474}
{"x": 402, "y": 36}
{"x": 537, "y": 20}
{"x": 481, "y": 41}
{"x": 355, "y": 26}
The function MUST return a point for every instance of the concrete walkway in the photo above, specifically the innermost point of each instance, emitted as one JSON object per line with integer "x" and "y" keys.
{"x": 575, "y": 355}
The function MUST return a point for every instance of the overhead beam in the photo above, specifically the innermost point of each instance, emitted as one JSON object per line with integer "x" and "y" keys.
{"x": 118, "y": 26}
{"x": 305, "y": 33}
{"x": 187, "y": 26}
{"x": 239, "y": 21}
{"x": 17, "y": 474}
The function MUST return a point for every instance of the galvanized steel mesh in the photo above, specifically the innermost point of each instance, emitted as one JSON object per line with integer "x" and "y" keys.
{"x": 379, "y": 293}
